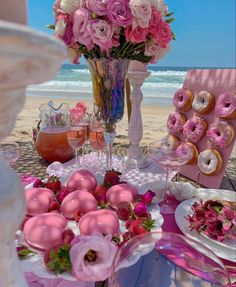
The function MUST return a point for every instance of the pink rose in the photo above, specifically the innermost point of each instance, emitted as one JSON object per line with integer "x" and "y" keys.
{"x": 80, "y": 28}
{"x": 119, "y": 13}
{"x": 156, "y": 18}
{"x": 141, "y": 11}
{"x": 153, "y": 49}
{"x": 97, "y": 6}
{"x": 101, "y": 33}
{"x": 163, "y": 34}
{"x": 137, "y": 35}
{"x": 92, "y": 257}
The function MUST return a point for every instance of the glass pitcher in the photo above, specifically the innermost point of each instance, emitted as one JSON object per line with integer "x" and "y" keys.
{"x": 51, "y": 142}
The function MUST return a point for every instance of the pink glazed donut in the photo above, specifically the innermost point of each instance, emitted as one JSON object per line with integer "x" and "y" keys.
{"x": 45, "y": 230}
{"x": 220, "y": 134}
{"x": 169, "y": 143}
{"x": 226, "y": 106}
{"x": 194, "y": 129}
{"x": 82, "y": 179}
{"x": 103, "y": 221}
{"x": 187, "y": 151}
{"x": 38, "y": 200}
{"x": 121, "y": 193}
{"x": 175, "y": 123}
{"x": 183, "y": 99}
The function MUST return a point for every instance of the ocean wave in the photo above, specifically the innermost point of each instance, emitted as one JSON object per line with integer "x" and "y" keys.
{"x": 169, "y": 73}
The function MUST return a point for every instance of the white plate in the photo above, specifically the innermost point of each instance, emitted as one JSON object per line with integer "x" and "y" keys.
{"x": 220, "y": 249}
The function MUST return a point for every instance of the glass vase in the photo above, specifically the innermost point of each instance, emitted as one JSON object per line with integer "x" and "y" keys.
{"x": 108, "y": 78}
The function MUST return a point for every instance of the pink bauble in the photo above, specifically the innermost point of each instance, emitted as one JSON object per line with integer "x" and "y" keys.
{"x": 38, "y": 200}
{"x": 121, "y": 193}
{"x": 45, "y": 230}
{"x": 78, "y": 199}
{"x": 103, "y": 221}
{"x": 82, "y": 179}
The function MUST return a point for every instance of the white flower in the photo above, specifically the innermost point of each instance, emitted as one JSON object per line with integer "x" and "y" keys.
{"x": 69, "y": 6}
{"x": 160, "y": 6}
{"x": 141, "y": 11}
{"x": 153, "y": 49}
{"x": 60, "y": 27}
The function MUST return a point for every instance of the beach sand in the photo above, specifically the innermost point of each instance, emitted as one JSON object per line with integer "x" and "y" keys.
{"x": 154, "y": 120}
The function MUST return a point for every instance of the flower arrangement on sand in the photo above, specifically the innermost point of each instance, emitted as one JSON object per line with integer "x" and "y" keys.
{"x": 136, "y": 29}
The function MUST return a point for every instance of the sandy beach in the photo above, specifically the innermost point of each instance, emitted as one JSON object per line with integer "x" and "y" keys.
{"x": 154, "y": 120}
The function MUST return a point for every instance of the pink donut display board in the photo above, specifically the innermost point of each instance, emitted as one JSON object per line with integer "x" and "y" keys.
{"x": 221, "y": 84}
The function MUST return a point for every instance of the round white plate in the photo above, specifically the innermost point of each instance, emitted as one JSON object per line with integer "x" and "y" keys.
{"x": 222, "y": 250}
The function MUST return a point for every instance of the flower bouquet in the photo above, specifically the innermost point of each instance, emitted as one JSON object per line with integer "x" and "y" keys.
{"x": 77, "y": 228}
{"x": 216, "y": 219}
{"x": 110, "y": 33}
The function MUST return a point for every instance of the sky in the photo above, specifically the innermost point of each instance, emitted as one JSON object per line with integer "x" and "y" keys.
{"x": 205, "y": 31}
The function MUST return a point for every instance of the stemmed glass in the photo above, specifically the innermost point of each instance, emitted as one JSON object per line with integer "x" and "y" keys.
{"x": 76, "y": 137}
{"x": 84, "y": 123}
{"x": 10, "y": 151}
{"x": 169, "y": 160}
{"x": 97, "y": 138}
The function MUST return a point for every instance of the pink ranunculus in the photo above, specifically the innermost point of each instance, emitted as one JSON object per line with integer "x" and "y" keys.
{"x": 148, "y": 196}
{"x": 140, "y": 208}
{"x": 163, "y": 34}
{"x": 155, "y": 20}
{"x": 141, "y": 11}
{"x": 101, "y": 33}
{"x": 118, "y": 11}
{"x": 80, "y": 28}
{"x": 92, "y": 257}
{"x": 98, "y": 7}
{"x": 137, "y": 35}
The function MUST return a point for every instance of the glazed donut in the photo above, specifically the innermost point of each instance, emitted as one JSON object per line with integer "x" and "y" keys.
{"x": 220, "y": 134}
{"x": 194, "y": 129}
{"x": 226, "y": 106}
{"x": 183, "y": 99}
{"x": 203, "y": 102}
{"x": 169, "y": 143}
{"x": 187, "y": 151}
{"x": 175, "y": 123}
{"x": 210, "y": 162}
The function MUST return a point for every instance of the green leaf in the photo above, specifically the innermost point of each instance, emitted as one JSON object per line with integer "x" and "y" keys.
{"x": 52, "y": 27}
{"x": 170, "y": 14}
{"x": 173, "y": 35}
{"x": 141, "y": 58}
{"x": 217, "y": 208}
{"x": 170, "y": 20}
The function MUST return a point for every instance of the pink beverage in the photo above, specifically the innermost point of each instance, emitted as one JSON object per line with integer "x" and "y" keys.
{"x": 76, "y": 137}
{"x": 96, "y": 138}
{"x": 52, "y": 144}
{"x": 86, "y": 126}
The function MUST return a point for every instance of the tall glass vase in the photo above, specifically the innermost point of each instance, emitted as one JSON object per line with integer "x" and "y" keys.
{"x": 108, "y": 78}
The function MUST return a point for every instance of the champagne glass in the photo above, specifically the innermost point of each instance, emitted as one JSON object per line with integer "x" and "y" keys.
{"x": 97, "y": 138}
{"x": 10, "y": 151}
{"x": 76, "y": 137}
{"x": 84, "y": 123}
{"x": 169, "y": 160}
{"x": 166, "y": 259}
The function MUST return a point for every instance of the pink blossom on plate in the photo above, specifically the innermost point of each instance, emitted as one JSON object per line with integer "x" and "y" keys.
{"x": 141, "y": 11}
{"x": 92, "y": 257}
{"x": 98, "y": 7}
{"x": 138, "y": 35}
{"x": 118, "y": 11}
{"x": 78, "y": 112}
{"x": 101, "y": 32}
{"x": 80, "y": 28}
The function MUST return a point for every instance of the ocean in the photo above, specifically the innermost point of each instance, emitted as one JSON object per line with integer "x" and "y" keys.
{"x": 74, "y": 81}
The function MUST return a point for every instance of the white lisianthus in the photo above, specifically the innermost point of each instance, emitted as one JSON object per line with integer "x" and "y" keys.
{"x": 141, "y": 11}
{"x": 160, "y": 6}
{"x": 69, "y": 6}
{"x": 60, "y": 27}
